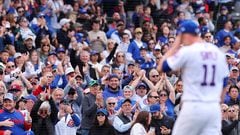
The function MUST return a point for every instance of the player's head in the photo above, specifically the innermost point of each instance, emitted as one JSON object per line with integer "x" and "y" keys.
{"x": 189, "y": 31}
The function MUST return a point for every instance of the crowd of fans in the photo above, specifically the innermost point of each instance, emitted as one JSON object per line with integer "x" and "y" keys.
{"x": 88, "y": 67}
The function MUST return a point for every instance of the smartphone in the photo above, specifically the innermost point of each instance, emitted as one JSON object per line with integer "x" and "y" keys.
{"x": 152, "y": 129}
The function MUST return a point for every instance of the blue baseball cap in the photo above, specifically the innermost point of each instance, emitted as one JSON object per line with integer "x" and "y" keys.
{"x": 155, "y": 108}
{"x": 104, "y": 111}
{"x": 141, "y": 85}
{"x": 189, "y": 26}
{"x": 52, "y": 53}
{"x": 60, "y": 50}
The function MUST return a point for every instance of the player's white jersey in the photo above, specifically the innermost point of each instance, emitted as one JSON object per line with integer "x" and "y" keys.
{"x": 203, "y": 68}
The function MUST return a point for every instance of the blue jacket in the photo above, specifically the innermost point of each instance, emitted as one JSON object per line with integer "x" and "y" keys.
{"x": 220, "y": 37}
{"x": 134, "y": 49}
{"x": 108, "y": 92}
{"x": 56, "y": 80}
{"x": 17, "y": 118}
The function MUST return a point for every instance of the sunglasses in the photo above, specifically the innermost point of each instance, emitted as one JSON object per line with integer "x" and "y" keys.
{"x": 231, "y": 110}
{"x": 153, "y": 76}
{"x": 171, "y": 42}
{"x": 100, "y": 114}
{"x": 138, "y": 33}
{"x": 156, "y": 97}
{"x": 163, "y": 95}
{"x": 20, "y": 11}
{"x": 46, "y": 45}
{"x": 111, "y": 103}
{"x": 12, "y": 66}
{"x": 43, "y": 111}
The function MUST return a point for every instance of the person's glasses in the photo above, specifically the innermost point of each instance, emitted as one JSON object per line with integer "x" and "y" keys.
{"x": 11, "y": 66}
{"x": 111, "y": 103}
{"x": 46, "y": 45}
{"x": 231, "y": 110}
{"x": 163, "y": 95}
{"x": 43, "y": 111}
{"x": 224, "y": 110}
{"x": 179, "y": 85}
{"x": 100, "y": 114}
{"x": 139, "y": 33}
{"x": 49, "y": 76}
{"x": 154, "y": 76}
{"x": 20, "y": 11}
{"x": 151, "y": 43}
{"x": 156, "y": 97}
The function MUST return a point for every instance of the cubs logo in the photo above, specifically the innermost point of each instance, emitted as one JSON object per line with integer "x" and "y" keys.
{"x": 70, "y": 123}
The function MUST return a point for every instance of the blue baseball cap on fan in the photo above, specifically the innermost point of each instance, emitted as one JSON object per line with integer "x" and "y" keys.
{"x": 189, "y": 26}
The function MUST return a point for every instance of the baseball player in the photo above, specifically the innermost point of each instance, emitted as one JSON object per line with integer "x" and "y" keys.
{"x": 204, "y": 73}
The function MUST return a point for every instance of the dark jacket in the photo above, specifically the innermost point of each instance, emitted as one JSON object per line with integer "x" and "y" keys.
{"x": 89, "y": 111}
{"x": 62, "y": 38}
{"x": 230, "y": 127}
{"x": 165, "y": 121}
{"x": 102, "y": 130}
{"x": 44, "y": 126}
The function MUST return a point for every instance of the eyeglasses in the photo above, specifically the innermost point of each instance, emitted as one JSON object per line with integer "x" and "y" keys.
{"x": 111, "y": 103}
{"x": 49, "y": 76}
{"x": 179, "y": 85}
{"x": 224, "y": 110}
{"x": 231, "y": 110}
{"x": 138, "y": 33}
{"x": 163, "y": 95}
{"x": 100, "y": 114}
{"x": 151, "y": 43}
{"x": 170, "y": 41}
{"x": 43, "y": 111}
{"x": 11, "y": 66}
{"x": 156, "y": 97}
{"x": 153, "y": 76}
{"x": 46, "y": 45}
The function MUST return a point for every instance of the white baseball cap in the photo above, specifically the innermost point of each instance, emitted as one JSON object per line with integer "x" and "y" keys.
{"x": 69, "y": 70}
{"x": 64, "y": 21}
{"x": 16, "y": 55}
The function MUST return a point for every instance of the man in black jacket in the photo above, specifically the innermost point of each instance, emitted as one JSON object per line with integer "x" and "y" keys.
{"x": 162, "y": 123}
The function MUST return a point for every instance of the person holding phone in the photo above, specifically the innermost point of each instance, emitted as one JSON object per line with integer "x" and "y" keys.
{"x": 68, "y": 120}
{"x": 163, "y": 124}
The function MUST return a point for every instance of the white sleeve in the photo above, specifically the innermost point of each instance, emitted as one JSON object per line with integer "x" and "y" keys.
{"x": 137, "y": 129}
{"x": 120, "y": 126}
{"x": 178, "y": 60}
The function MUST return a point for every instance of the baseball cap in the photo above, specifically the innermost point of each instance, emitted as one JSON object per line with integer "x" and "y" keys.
{"x": 93, "y": 83}
{"x": 60, "y": 50}
{"x": 143, "y": 47}
{"x": 64, "y": 21}
{"x": 126, "y": 100}
{"x": 155, "y": 108}
{"x": 157, "y": 47}
{"x": 30, "y": 97}
{"x": 52, "y": 53}
{"x": 189, "y": 26}
{"x": 28, "y": 37}
{"x": 15, "y": 87}
{"x": 138, "y": 30}
{"x": 130, "y": 64}
{"x": 69, "y": 70}
{"x": 41, "y": 15}
{"x": 8, "y": 96}
{"x": 16, "y": 55}
{"x": 141, "y": 85}
{"x": 234, "y": 68}
{"x": 104, "y": 111}
{"x": 64, "y": 101}
{"x": 128, "y": 87}
{"x": 224, "y": 8}
{"x": 93, "y": 52}
{"x": 230, "y": 55}
{"x": 71, "y": 91}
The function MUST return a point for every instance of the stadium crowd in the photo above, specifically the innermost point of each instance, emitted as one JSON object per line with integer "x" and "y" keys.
{"x": 89, "y": 67}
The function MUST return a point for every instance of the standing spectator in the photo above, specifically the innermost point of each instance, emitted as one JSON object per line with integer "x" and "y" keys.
{"x": 124, "y": 121}
{"x": 101, "y": 125}
{"x": 113, "y": 88}
{"x": 68, "y": 120}
{"x": 226, "y": 31}
{"x": 162, "y": 123}
{"x": 136, "y": 44}
{"x": 44, "y": 115}
{"x": 91, "y": 102}
{"x": 17, "y": 124}
{"x": 62, "y": 34}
